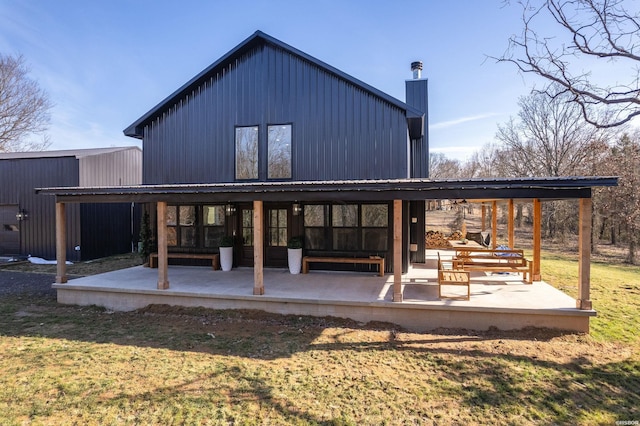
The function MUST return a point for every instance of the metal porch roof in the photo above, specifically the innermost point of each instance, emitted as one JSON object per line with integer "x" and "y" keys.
{"x": 362, "y": 190}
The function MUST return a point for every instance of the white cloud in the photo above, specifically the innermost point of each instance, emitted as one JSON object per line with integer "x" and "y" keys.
{"x": 451, "y": 123}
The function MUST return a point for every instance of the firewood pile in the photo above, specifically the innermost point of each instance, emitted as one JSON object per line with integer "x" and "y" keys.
{"x": 436, "y": 239}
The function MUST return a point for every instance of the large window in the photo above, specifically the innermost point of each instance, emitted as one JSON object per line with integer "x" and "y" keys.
{"x": 249, "y": 146}
{"x": 346, "y": 227}
{"x": 247, "y": 152}
{"x": 195, "y": 226}
{"x": 279, "y": 151}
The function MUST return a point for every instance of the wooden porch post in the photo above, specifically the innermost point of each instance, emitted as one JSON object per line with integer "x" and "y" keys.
{"x": 163, "y": 261}
{"x": 61, "y": 243}
{"x": 258, "y": 248}
{"x": 484, "y": 218}
{"x": 510, "y": 227}
{"x": 537, "y": 239}
{"x": 584, "y": 255}
{"x": 397, "y": 250}
{"x": 494, "y": 225}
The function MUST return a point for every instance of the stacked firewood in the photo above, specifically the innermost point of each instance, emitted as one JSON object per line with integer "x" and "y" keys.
{"x": 436, "y": 239}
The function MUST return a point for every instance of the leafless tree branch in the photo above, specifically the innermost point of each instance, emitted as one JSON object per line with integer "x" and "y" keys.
{"x": 24, "y": 108}
{"x": 607, "y": 31}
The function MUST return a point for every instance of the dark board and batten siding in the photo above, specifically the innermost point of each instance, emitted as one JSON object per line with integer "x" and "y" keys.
{"x": 339, "y": 131}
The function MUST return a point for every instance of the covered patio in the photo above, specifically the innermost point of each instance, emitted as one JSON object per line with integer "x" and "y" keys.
{"x": 500, "y": 300}
{"x": 407, "y": 296}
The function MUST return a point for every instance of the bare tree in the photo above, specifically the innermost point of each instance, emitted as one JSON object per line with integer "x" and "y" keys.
{"x": 621, "y": 204}
{"x": 588, "y": 34}
{"x": 441, "y": 167}
{"x": 549, "y": 138}
{"x": 24, "y": 108}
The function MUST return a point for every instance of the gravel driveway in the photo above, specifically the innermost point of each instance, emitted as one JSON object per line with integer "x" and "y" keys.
{"x": 24, "y": 283}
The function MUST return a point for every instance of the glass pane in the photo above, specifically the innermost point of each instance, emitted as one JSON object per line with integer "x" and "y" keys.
{"x": 375, "y": 215}
{"x": 279, "y": 149}
{"x": 247, "y": 236}
{"x": 374, "y": 239}
{"x": 247, "y": 218}
{"x": 247, "y": 153}
{"x": 212, "y": 236}
{"x": 213, "y": 215}
{"x": 188, "y": 236}
{"x": 313, "y": 215}
{"x": 172, "y": 239}
{"x": 345, "y": 239}
{"x": 282, "y": 237}
{"x": 345, "y": 215}
{"x": 273, "y": 218}
{"x": 187, "y": 215}
{"x": 172, "y": 216}
{"x": 314, "y": 238}
{"x": 247, "y": 228}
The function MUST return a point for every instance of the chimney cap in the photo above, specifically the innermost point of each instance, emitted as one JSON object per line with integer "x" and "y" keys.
{"x": 417, "y": 65}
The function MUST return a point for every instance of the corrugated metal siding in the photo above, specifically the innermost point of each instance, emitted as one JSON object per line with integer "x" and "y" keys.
{"x": 339, "y": 131}
{"x": 18, "y": 178}
{"x": 106, "y": 229}
{"x": 418, "y": 97}
{"x": 122, "y": 167}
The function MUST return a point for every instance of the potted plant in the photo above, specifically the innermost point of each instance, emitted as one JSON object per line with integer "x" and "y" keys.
{"x": 226, "y": 252}
{"x": 294, "y": 254}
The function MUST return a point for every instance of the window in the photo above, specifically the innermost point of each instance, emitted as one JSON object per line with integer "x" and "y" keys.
{"x": 247, "y": 227}
{"x": 195, "y": 226}
{"x": 213, "y": 223}
{"x": 314, "y": 227}
{"x": 279, "y": 151}
{"x": 375, "y": 220}
{"x": 277, "y": 228}
{"x": 247, "y": 152}
{"x": 345, "y": 226}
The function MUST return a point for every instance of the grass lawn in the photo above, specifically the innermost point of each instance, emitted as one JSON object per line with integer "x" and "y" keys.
{"x": 84, "y": 365}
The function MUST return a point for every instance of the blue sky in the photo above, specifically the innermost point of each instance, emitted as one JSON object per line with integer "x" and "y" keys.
{"x": 106, "y": 63}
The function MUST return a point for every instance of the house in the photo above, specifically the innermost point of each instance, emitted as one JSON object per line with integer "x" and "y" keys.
{"x": 94, "y": 230}
{"x": 270, "y": 143}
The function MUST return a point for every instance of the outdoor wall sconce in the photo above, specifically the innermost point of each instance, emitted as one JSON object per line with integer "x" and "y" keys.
{"x": 297, "y": 209}
{"x": 22, "y": 215}
{"x": 230, "y": 209}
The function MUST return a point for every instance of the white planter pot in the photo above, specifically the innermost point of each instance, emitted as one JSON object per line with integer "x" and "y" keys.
{"x": 295, "y": 260}
{"x": 226, "y": 258}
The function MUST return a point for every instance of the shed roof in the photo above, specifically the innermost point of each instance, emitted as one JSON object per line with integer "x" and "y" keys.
{"x": 382, "y": 190}
{"x": 77, "y": 153}
{"x": 257, "y": 38}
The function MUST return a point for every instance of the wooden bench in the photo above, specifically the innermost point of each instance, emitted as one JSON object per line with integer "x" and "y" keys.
{"x": 215, "y": 258}
{"x": 498, "y": 260}
{"x": 451, "y": 275}
{"x": 372, "y": 260}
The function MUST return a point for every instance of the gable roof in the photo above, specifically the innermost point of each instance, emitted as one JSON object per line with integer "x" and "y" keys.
{"x": 77, "y": 153}
{"x": 258, "y": 38}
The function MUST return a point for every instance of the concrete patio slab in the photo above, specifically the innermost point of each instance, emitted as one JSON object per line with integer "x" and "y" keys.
{"x": 502, "y": 300}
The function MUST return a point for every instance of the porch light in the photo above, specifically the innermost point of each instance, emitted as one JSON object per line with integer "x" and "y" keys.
{"x": 297, "y": 209}
{"x": 21, "y": 215}
{"x": 230, "y": 209}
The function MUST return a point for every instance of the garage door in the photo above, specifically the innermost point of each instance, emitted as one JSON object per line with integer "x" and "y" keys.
{"x": 9, "y": 230}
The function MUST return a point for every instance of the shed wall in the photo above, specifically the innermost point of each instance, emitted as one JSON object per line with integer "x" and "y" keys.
{"x": 18, "y": 178}
{"x": 338, "y": 130}
{"x": 117, "y": 168}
